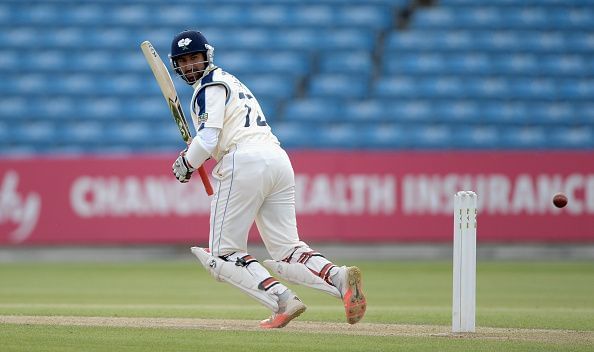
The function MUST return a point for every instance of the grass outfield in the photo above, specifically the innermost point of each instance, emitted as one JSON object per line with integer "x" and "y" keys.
{"x": 174, "y": 306}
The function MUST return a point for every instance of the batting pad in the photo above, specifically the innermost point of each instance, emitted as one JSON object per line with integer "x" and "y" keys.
{"x": 300, "y": 274}
{"x": 253, "y": 281}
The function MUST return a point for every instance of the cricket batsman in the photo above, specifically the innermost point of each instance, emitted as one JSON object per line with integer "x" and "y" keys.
{"x": 255, "y": 181}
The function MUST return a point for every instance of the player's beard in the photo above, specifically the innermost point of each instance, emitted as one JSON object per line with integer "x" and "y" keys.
{"x": 193, "y": 75}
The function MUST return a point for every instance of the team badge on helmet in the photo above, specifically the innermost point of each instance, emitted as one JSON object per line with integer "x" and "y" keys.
{"x": 183, "y": 43}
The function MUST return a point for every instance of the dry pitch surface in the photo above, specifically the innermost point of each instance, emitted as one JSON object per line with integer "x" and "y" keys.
{"x": 365, "y": 329}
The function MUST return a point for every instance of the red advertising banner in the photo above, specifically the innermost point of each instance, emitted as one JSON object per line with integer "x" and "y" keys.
{"x": 341, "y": 197}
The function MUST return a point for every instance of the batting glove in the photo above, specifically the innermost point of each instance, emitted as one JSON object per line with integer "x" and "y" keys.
{"x": 182, "y": 170}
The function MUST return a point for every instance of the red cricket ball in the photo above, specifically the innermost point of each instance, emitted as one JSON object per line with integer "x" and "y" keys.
{"x": 560, "y": 200}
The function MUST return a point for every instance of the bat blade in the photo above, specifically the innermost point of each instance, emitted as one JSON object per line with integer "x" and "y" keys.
{"x": 170, "y": 94}
{"x": 180, "y": 120}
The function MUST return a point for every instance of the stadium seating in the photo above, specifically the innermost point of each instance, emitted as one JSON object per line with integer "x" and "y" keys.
{"x": 467, "y": 74}
{"x": 386, "y": 136}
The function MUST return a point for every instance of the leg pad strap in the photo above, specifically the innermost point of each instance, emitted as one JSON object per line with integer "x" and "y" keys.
{"x": 252, "y": 278}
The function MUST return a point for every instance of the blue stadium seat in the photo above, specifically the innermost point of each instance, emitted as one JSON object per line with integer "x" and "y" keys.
{"x": 11, "y": 106}
{"x": 295, "y": 134}
{"x": 579, "y": 42}
{"x": 277, "y": 15}
{"x": 581, "y": 137}
{"x": 96, "y": 85}
{"x": 292, "y": 39}
{"x": 471, "y": 137}
{"x": 557, "y": 113}
{"x": 488, "y": 88}
{"x": 572, "y": 18}
{"x": 457, "y": 111}
{"x": 124, "y": 13}
{"x": 127, "y": 84}
{"x": 348, "y": 62}
{"x": 270, "y": 107}
{"x": 80, "y": 84}
{"x": 359, "y": 111}
{"x": 505, "y": 113}
{"x": 6, "y": 12}
{"x": 50, "y": 14}
{"x": 399, "y": 86}
{"x": 470, "y": 63}
{"x": 269, "y": 85}
{"x": 19, "y": 150}
{"x": 37, "y": 14}
{"x": 386, "y": 136}
{"x": 576, "y": 89}
{"x": 432, "y": 136}
{"x": 10, "y": 59}
{"x": 524, "y": 137}
{"x": 71, "y": 83}
{"x": 533, "y": 88}
{"x": 563, "y": 65}
{"x": 502, "y": 41}
{"x": 264, "y": 62}
{"x": 166, "y": 135}
{"x": 378, "y": 17}
{"x": 5, "y": 135}
{"x": 442, "y": 87}
{"x": 412, "y": 111}
{"x": 434, "y": 40}
{"x": 115, "y": 108}
{"x": 354, "y": 39}
{"x": 100, "y": 37}
{"x": 339, "y": 85}
{"x": 25, "y": 84}
{"x": 528, "y": 18}
{"x": 471, "y": 17}
{"x": 175, "y": 13}
{"x": 518, "y": 64}
{"x": 48, "y": 60}
{"x": 585, "y": 112}
{"x": 312, "y": 15}
{"x": 19, "y": 36}
{"x": 297, "y": 14}
{"x": 105, "y": 61}
{"x": 436, "y": 17}
{"x": 59, "y": 108}
{"x": 293, "y": 15}
{"x": 337, "y": 136}
{"x": 232, "y": 39}
{"x": 544, "y": 42}
{"x": 82, "y": 133}
{"x": 514, "y": 3}
{"x": 42, "y": 60}
{"x": 35, "y": 132}
{"x": 417, "y": 63}
{"x": 134, "y": 133}
{"x": 437, "y": 64}
{"x": 312, "y": 111}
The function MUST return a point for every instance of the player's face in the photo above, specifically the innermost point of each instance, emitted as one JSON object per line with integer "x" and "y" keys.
{"x": 192, "y": 66}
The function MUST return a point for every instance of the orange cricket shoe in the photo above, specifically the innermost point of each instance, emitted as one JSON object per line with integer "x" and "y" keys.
{"x": 289, "y": 310}
{"x": 353, "y": 299}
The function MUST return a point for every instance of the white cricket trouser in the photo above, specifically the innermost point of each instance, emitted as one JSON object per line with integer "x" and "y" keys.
{"x": 255, "y": 182}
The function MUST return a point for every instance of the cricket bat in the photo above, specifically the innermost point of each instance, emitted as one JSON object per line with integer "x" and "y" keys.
{"x": 168, "y": 89}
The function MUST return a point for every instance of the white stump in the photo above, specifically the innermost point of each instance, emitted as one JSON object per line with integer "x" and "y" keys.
{"x": 464, "y": 287}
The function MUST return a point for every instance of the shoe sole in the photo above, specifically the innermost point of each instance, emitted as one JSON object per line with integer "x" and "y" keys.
{"x": 354, "y": 300}
{"x": 285, "y": 319}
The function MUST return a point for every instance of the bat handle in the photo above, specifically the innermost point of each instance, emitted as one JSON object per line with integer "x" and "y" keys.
{"x": 205, "y": 180}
